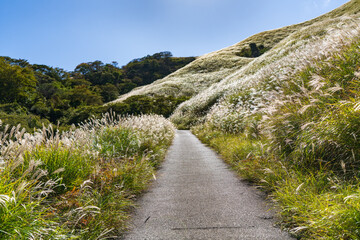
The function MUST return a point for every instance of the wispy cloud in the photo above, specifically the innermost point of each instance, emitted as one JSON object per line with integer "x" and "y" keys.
{"x": 326, "y": 3}
{"x": 194, "y": 2}
{"x": 317, "y": 4}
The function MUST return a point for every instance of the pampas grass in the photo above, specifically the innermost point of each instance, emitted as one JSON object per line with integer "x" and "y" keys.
{"x": 79, "y": 183}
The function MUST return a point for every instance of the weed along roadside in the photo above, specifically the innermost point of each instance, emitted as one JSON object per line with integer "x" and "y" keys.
{"x": 78, "y": 184}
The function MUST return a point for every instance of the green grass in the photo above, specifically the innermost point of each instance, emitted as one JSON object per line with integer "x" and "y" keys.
{"x": 312, "y": 203}
{"x": 70, "y": 165}
{"x": 19, "y": 217}
{"x": 117, "y": 142}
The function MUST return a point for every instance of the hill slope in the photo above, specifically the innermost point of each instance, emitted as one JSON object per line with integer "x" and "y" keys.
{"x": 217, "y": 66}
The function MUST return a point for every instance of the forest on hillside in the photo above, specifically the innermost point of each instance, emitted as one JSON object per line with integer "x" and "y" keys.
{"x": 33, "y": 94}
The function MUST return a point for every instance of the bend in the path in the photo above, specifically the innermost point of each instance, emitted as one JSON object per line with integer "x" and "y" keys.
{"x": 196, "y": 196}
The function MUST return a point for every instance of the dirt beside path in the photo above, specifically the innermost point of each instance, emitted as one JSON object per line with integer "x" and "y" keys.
{"x": 196, "y": 196}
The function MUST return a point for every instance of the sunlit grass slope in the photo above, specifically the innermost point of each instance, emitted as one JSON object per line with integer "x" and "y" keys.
{"x": 217, "y": 66}
{"x": 298, "y": 48}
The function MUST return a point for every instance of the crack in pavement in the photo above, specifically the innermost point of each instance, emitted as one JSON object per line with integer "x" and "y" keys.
{"x": 209, "y": 228}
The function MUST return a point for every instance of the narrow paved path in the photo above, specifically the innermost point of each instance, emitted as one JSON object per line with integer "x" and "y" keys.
{"x": 196, "y": 196}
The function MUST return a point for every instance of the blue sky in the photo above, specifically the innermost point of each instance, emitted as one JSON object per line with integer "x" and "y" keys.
{"x": 64, "y": 33}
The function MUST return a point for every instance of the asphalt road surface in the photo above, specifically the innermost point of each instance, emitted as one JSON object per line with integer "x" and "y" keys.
{"x": 196, "y": 196}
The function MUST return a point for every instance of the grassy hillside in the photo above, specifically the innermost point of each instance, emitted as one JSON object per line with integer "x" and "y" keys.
{"x": 217, "y": 66}
{"x": 260, "y": 78}
{"x": 311, "y": 40}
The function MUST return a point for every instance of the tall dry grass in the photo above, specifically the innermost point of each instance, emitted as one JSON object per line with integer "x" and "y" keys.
{"x": 77, "y": 184}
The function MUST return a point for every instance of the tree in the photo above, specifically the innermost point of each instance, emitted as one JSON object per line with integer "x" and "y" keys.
{"x": 109, "y": 92}
{"x": 82, "y": 95}
{"x": 254, "y": 50}
{"x": 17, "y": 84}
{"x": 99, "y": 73}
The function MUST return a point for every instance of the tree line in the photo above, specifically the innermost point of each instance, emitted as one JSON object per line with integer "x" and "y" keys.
{"x": 33, "y": 94}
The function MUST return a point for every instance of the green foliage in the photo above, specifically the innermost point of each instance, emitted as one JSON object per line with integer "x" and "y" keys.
{"x": 253, "y": 51}
{"x": 27, "y": 121}
{"x": 71, "y": 97}
{"x": 126, "y": 86}
{"x": 146, "y": 70}
{"x": 83, "y": 96}
{"x": 20, "y": 217}
{"x": 161, "y": 105}
{"x": 70, "y": 165}
{"x": 136, "y": 174}
{"x": 135, "y": 105}
{"x": 17, "y": 84}
{"x": 109, "y": 92}
{"x": 117, "y": 142}
{"x": 138, "y": 72}
{"x": 98, "y": 73}
{"x": 83, "y": 113}
{"x": 12, "y": 108}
